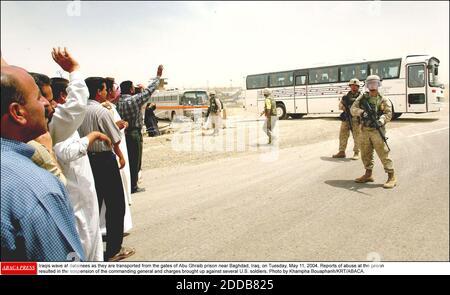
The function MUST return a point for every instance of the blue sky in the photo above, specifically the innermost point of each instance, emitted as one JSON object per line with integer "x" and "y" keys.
{"x": 218, "y": 43}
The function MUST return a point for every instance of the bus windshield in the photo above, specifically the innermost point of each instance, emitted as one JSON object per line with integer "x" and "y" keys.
{"x": 433, "y": 71}
{"x": 194, "y": 98}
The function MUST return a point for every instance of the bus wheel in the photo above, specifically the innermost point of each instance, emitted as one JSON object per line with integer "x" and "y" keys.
{"x": 172, "y": 116}
{"x": 296, "y": 116}
{"x": 281, "y": 111}
{"x": 395, "y": 116}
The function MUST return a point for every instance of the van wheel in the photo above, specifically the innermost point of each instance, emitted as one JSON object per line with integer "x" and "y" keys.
{"x": 281, "y": 111}
{"x": 395, "y": 115}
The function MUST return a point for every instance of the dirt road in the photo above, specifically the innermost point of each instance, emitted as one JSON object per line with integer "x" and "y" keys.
{"x": 294, "y": 202}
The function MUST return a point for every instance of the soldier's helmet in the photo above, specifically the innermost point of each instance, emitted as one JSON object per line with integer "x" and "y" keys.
{"x": 373, "y": 77}
{"x": 373, "y": 82}
{"x": 266, "y": 91}
{"x": 354, "y": 81}
{"x": 212, "y": 93}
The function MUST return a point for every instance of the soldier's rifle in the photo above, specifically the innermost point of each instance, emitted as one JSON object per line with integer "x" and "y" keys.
{"x": 374, "y": 121}
{"x": 347, "y": 113}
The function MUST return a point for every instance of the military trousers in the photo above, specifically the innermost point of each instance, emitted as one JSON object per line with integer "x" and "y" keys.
{"x": 216, "y": 121}
{"x": 269, "y": 125}
{"x": 344, "y": 134}
{"x": 370, "y": 141}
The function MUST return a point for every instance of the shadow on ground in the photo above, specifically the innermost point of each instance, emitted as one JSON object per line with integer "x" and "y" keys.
{"x": 337, "y": 160}
{"x": 351, "y": 185}
{"x": 415, "y": 120}
{"x": 314, "y": 118}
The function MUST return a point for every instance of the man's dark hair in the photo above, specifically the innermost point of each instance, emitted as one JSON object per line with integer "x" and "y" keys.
{"x": 58, "y": 85}
{"x": 125, "y": 87}
{"x": 109, "y": 83}
{"x": 10, "y": 92}
{"x": 94, "y": 84}
{"x": 40, "y": 79}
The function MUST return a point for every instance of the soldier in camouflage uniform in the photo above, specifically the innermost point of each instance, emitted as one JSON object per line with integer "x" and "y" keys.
{"x": 345, "y": 104}
{"x": 215, "y": 109}
{"x": 370, "y": 137}
{"x": 270, "y": 111}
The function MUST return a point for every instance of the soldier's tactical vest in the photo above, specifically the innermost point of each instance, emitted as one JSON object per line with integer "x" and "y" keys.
{"x": 350, "y": 98}
{"x": 213, "y": 105}
{"x": 273, "y": 109}
{"x": 375, "y": 104}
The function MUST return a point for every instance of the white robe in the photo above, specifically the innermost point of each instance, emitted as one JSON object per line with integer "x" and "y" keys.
{"x": 69, "y": 116}
{"x": 72, "y": 156}
{"x": 126, "y": 182}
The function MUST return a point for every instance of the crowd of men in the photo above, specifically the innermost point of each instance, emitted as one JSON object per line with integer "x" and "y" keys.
{"x": 68, "y": 148}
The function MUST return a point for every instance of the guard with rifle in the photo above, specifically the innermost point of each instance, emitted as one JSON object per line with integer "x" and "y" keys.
{"x": 349, "y": 123}
{"x": 375, "y": 111}
{"x": 270, "y": 112}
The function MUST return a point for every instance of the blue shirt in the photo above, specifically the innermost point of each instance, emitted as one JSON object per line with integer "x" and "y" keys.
{"x": 37, "y": 220}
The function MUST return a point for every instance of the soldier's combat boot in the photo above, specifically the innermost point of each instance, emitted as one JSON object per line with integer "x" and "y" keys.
{"x": 355, "y": 156}
{"x": 339, "y": 155}
{"x": 367, "y": 177}
{"x": 391, "y": 182}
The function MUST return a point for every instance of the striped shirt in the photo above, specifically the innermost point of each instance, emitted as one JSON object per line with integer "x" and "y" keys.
{"x": 130, "y": 107}
{"x": 99, "y": 118}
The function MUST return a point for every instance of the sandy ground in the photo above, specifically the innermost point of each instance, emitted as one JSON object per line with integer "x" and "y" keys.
{"x": 293, "y": 202}
{"x": 167, "y": 151}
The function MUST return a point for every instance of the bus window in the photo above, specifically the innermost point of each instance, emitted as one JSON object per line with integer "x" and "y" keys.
{"x": 300, "y": 80}
{"x": 416, "y": 76}
{"x": 416, "y": 98}
{"x": 433, "y": 71}
{"x": 326, "y": 75}
{"x": 353, "y": 71}
{"x": 257, "y": 81}
{"x": 281, "y": 79}
{"x": 202, "y": 98}
{"x": 188, "y": 98}
{"x": 386, "y": 69}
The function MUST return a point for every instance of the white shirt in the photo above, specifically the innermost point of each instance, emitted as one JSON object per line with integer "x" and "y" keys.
{"x": 69, "y": 116}
{"x": 72, "y": 156}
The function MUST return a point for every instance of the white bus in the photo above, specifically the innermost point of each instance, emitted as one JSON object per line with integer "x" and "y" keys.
{"x": 176, "y": 103}
{"x": 411, "y": 83}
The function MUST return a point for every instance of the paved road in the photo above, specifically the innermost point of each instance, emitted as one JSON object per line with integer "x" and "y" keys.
{"x": 302, "y": 207}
